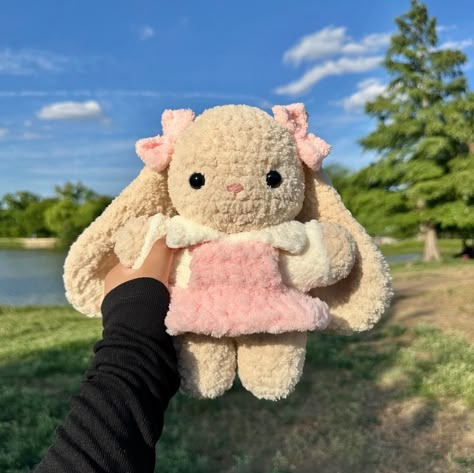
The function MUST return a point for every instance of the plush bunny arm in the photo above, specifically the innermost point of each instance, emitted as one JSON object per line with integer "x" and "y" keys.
{"x": 134, "y": 240}
{"x": 341, "y": 248}
{"x": 327, "y": 258}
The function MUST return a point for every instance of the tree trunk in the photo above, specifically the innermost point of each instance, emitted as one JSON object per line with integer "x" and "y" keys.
{"x": 431, "y": 252}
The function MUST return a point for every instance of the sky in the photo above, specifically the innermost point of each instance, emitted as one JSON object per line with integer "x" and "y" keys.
{"x": 81, "y": 82}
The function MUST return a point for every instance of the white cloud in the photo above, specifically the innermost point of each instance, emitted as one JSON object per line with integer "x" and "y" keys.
{"x": 332, "y": 41}
{"x": 262, "y": 102}
{"x": 146, "y": 32}
{"x": 444, "y": 28}
{"x": 369, "y": 44}
{"x": 462, "y": 44}
{"x": 89, "y": 110}
{"x": 29, "y": 136}
{"x": 367, "y": 90}
{"x": 343, "y": 65}
{"x": 3, "y": 132}
{"x": 32, "y": 61}
{"x": 325, "y": 42}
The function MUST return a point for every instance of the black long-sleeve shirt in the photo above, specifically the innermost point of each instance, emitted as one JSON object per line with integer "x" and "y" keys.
{"x": 116, "y": 420}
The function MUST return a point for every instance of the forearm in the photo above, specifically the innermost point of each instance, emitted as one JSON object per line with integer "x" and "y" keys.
{"x": 117, "y": 418}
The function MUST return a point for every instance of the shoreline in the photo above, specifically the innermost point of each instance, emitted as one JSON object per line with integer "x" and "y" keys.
{"x": 28, "y": 243}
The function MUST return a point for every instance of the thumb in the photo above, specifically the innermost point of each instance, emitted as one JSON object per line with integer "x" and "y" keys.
{"x": 158, "y": 262}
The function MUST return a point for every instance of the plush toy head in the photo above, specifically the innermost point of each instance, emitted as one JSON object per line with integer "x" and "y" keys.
{"x": 234, "y": 168}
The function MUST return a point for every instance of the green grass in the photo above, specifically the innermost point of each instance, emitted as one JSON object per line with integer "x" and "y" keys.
{"x": 438, "y": 365}
{"x": 335, "y": 420}
{"x": 422, "y": 267}
{"x": 43, "y": 355}
{"x": 447, "y": 247}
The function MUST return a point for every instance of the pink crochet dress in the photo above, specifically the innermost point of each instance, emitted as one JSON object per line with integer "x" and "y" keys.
{"x": 236, "y": 289}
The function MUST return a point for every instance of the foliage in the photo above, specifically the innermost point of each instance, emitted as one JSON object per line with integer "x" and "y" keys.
{"x": 73, "y": 208}
{"x": 424, "y": 132}
{"x": 22, "y": 214}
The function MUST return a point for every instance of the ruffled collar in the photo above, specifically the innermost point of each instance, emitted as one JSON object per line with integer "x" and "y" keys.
{"x": 287, "y": 236}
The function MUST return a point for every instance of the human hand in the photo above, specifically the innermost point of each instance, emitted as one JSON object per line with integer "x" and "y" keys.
{"x": 157, "y": 265}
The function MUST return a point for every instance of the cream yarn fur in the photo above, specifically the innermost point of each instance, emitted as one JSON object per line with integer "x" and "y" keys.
{"x": 339, "y": 264}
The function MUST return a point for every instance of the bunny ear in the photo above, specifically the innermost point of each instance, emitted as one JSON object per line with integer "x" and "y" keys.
{"x": 311, "y": 149}
{"x": 92, "y": 256}
{"x": 156, "y": 152}
{"x": 357, "y": 302}
{"x": 174, "y": 122}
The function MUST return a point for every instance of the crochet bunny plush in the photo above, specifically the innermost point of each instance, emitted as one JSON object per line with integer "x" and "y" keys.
{"x": 265, "y": 249}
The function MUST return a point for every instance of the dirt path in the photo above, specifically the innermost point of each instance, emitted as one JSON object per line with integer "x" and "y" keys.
{"x": 443, "y": 297}
{"x": 416, "y": 433}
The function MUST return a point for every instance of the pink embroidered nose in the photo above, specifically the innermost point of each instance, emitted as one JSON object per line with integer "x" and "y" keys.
{"x": 235, "y": 188}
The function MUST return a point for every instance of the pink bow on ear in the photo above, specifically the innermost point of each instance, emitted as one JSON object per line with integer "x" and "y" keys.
{"x": 311, "y": 149}
{"x": 156, "y": 152}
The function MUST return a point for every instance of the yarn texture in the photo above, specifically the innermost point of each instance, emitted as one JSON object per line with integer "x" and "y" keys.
{"x": 265, "y": 249}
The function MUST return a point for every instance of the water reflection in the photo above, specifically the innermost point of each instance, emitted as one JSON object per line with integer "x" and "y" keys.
{"x": 404, "y": 257}
{"x": 31, "y": 277}
{"x": 35, "y": 276}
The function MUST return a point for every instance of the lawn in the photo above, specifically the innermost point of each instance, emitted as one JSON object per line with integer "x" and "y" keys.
{"x": 447, "y": 247}
{"x": 397, "y": 399}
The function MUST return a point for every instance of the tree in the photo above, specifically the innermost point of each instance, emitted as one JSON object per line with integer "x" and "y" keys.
{"x": 12, "y": 213}
{"x": 424, "y": 132}
{"x": 34, "y": 218}
{"x": 339, "y": 175}
{"x": 75, "y": 192}
{"x": 24, "y": 214}
{"x": 60, "y": 219}
{"x": 76, "y": 207}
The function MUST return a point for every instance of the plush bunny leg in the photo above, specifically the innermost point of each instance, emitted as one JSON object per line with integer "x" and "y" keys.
{"x": 271, "y": 365}
{"x": 206, "y": 364}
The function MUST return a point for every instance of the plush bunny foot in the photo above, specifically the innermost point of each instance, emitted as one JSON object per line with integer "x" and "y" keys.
{"x": 271, "y": 365}
{"x": 206, "y": 364}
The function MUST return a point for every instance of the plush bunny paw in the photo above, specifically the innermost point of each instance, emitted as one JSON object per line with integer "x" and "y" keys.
{"x": 270, "y": 366}
{"x": 207, "y": 365}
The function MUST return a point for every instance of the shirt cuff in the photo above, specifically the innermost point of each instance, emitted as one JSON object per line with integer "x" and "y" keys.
{"x": 141, "y": 304}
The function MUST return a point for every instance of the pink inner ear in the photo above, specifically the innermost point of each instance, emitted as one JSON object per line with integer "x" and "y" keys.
{"x": 156, "y": 152}
{"x": 174, "y": 122}
{"x": 311, "y": 149}
{"x": 293, "y": 117}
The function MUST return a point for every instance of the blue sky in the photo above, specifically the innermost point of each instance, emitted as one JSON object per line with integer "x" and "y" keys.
{"x": 80, "y": 82}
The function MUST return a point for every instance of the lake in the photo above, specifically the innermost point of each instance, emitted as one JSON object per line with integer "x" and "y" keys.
{"x": 34, "y": 277}
{"x": 31, "y": 277}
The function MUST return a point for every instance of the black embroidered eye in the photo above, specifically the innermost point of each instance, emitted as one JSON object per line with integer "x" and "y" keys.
{"x": 274, "y": 179}
{"x": 197, "y": 180}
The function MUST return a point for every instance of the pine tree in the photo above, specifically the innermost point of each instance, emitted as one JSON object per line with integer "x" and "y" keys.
{"x": 425, "y": 135}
